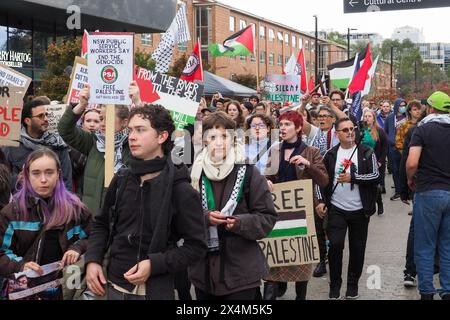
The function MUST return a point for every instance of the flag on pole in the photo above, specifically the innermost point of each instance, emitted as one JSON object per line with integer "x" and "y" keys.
{"x": 241, "y": 43}
{"x": 178, "y": 32}
{"x": 311, "y": 84}
{"x": 323, "y": 86}
{"x": 302, "y": 71}
{"x": 84, "y": 42}
{"x": 372, "y": 71}
{"x": 341, "y": 73}
{"x": 194, "y": 68}
{"x": 358, "y": 82}
{"x": 290, "y": 67}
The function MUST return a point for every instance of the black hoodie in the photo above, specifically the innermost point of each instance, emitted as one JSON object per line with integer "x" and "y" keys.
{"x": 152, "y": 217}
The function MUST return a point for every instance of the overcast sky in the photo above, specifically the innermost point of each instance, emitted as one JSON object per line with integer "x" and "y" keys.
{"x": 299, "y": 14}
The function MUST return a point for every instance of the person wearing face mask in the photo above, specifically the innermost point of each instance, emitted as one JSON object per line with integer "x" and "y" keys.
{"x": 391, "y": 125}
{"x": 92, "y": 144}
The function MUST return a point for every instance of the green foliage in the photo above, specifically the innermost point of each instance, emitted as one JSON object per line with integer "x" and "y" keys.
{"x": 55, "y": 81}
{"x": 144, "y": 60}
{"x": 248, "y": 80}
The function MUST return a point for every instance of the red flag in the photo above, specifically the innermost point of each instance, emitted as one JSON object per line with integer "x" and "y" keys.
{"x": 311, "y": 84}
{"x": 194, "y": 69}
{"x": 84, "y": 46}
{"x": 302, "y": 71}
{"x": 148, "y": 92}
{"x": 359, "y": 80}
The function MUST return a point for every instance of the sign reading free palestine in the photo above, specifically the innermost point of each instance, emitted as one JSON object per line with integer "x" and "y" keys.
{"x": 110, "y": 61}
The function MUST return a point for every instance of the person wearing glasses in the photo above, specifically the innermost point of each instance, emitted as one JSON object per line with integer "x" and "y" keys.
{"x": 34, "y": 135}
{"x": 349, "y": 201}
{"x": 259, "y": 142}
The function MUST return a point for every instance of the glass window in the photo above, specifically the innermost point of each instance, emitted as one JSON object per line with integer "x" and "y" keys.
{"x": 262, "y": 57}
{"x": 280, "y": 37}
{"x": 243, "y": 58}
{"x": 280, "y": 60}
{"x": 147, "y": 39}
{"x": 286, "y": 38}
{"x": 294, "y": 41}
{"x": 306, "y": 45}
{"x": 41, "y": 42}
{"x": 3, "y": 38}
{"x": 262, "y": 32}
{"x": 242, "y": 24}
{"x": 232, "y": 23}
{"x": 271, "y": 59}
{"x": 252, "y": 58}
{"x": 300, "y": 43}
{"x": 203, "y": 29}
{"x": 271, "y": 35}
{"x": 20, "y": 42}
{"x": 286, "y": 60}
{"x": 182, "y": 47}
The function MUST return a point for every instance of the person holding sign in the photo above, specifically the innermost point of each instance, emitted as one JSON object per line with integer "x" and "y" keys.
{"x": 349, "y": 201}
{"x": 236, "y": 218}
{"x": 44, "y": 223}
{"x": 92, "y": 144}
{"x": 148, "y": 208}
{"x": 289, "y": 161}
{"x": 35, "y": 135}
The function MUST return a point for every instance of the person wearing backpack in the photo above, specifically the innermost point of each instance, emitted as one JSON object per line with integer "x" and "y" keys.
{"x": 290, "y": 161}
{"x": 235, "y": 217}
{"x": 148, "y": 208}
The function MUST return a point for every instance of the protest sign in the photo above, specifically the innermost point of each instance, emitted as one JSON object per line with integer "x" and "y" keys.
{"x": 29, "y": 284}
{"x": 78, "y": 79}
{"x": 11, "y": 104}
{"x": 55, "y": 113}
{"x": 110, "y": 61}
{"x": 180, "y": 97}
{"x": 282, "y": 88}
{"x": 293, "y": 240}
{"x": 11, "y": 78}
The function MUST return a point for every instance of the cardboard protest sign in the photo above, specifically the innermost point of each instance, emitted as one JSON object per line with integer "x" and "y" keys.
{"x": 180, "y": 97}
{"x": 111, "y": 62}
{"x": 11, "y": 78}
{"x": 282, "y": 88}
{"x": 78, "y": 79}
{"x": 29, "y": 285}
{"x": 11, "y": 104}
{"x": 55, "y": 113}
{"x": 293, "y": 240}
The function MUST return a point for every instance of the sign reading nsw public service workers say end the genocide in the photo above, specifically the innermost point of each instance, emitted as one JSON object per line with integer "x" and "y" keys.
{"x": 110, "y": 61}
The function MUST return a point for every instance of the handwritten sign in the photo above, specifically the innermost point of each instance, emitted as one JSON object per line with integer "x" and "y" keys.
{"x": 11, "y": 104}
{"x": 78, "y": 80}
{"x": 282, "y": 88}
{"x": 293, "y": 240}
{"x": 55, "y": 113}
{"x": 180, "y": 97}
{"x": 11, "y": 78}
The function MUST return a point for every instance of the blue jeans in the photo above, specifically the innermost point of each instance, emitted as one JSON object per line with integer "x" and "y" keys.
{"x": 431, "y": 229}
{"x": 394, "y": 157}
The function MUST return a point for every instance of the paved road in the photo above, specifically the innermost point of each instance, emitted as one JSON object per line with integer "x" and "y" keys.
{"x": 386, "y": 248}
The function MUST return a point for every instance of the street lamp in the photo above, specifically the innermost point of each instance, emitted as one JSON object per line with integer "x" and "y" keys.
{"x": 348, "y": 41}
{"x": 392, "y": 66}
{"x": 316, "y": 50}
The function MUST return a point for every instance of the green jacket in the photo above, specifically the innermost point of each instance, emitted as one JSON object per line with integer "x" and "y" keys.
{"x": 94, "y": 173}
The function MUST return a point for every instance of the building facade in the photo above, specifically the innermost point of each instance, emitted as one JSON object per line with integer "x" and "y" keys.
{"x": 27, "y": 27}
{"x": 213, "y": 22}
{"x": 407, "y": 32}
{"x": 436, "y": 53}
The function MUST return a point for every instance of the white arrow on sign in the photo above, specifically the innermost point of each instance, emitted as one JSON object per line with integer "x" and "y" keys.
{"x": 352, "y": 3}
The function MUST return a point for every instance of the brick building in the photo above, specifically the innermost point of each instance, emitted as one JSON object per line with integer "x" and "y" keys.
{"x": 212, "y": 22}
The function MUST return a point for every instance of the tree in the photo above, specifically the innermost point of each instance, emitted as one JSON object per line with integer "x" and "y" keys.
{"x": 144, "y": 60}
{"x": 55, "y": 81}
{"x": 248, "y": 80}
{"x": 178, "y": 66}
{"x": 336, "y": 37}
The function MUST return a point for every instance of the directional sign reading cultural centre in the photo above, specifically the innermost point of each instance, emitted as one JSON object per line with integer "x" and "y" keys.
{"x": 353, "y": 6}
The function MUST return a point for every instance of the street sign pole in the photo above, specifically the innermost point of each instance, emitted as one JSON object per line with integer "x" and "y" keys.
{"x": 355, "y": 6}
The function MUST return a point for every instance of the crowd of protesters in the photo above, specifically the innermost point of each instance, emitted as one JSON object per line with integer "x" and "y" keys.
{"x": 163, "y": 226}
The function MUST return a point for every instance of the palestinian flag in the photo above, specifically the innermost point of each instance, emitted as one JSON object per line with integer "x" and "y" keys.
{"x": 290, "y": 224}
{"x": 239, "y": 44}
{"x": 341, "y": 73}
{"x": 84, "y": 42}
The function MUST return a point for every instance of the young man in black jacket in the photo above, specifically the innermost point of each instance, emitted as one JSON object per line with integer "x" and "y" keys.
{"x": 349, "y": 200}
{"x": 155, "y": 207}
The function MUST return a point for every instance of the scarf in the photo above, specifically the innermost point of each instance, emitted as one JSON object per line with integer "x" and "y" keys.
{"x": 143, "y": 167}
{"x": 323, "y": 141}
{"x": 119, "y": 138}
{"x": 50, "y": 140}
{"x": 437, "y": 118}
{"x": 287, "y": 171}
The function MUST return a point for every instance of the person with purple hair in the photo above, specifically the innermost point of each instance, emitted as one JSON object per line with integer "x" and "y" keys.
{"x": 44, "y": 223}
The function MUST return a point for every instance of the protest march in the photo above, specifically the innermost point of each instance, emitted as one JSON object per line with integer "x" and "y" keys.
{"x": 214, "y": 167}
